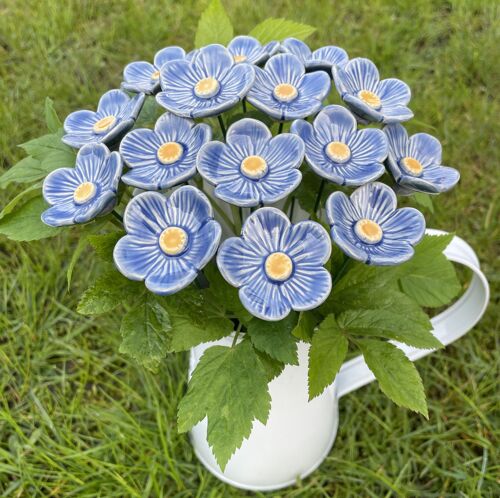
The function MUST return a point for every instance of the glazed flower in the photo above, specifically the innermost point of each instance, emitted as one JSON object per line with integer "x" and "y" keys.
{"x": 142, "y": 76}
{"x": 168, "y": 241}
{"x": 88, "y": 190}
{"x": 276, "y": 265}
{"x": 248, "y": 49}
{"x": 284, "y": 91}
{"x": 338, "y": 151}
{"x": 205, "y": 86}
{"x": 252, "y": 167}
{"x": 359, "y": 86}
{"x": 116, "y": 114}
{"x": 322, "y": 58}
{"x": 415, "y": 162}
{"x": 165, "y": 156}
{"x": 368, "y": 227}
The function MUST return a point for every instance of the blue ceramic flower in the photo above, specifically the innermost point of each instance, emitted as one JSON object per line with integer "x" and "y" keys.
{"x": 368, "y": 227}
{"x": 116, "y": 114}
{"x": 322, "y": 58}
{"x": 276, "y": 265}
{"x": 338, "y": 151}
{"x": 141, "y": 76}
{"x": 248, "y": 49}
{"x": 168, "y": 241}
{"x": 205, "y": 86}
{"x": 252, "y": 167}
{"x": 79, "y": 194}
{"x": 359, "y": 86}
{"x": 284, "y": 91}
{"x": 165, "y": 156}
{"x": 415, "y": 162}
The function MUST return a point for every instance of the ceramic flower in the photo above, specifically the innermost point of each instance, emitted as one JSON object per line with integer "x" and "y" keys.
{"x": 359, "y": 86}
{"x": 276, "y": 265}
{"x": 165, "y": 156}
{"x": 205, "y": 86}
{"x": 142, "y": 76}
{"x": 79, "y": 194}
{"x": 322, "y": 58}
{"x": 248, "y": 49}
{"x": 368, "y": 227}
{"x": 116, "y": 114}
{"x": 168, "y": 241}
{"x": 338, "y": 151}
{"x": 252, "y": 167}
{"x": 415, "y": 162}
{"x": 284, "y": 91}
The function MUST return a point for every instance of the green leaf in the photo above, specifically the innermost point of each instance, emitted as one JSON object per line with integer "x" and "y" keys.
{"x": 25, "y": 224}
{"x": 229, "y": 386}
{"x": 51, "y": 117}
{"x": 109, "y": 290}
{"x": 104, "y": 244}
{"x": 279, "y": 29}
{"x": 214, "y": 26}
{"x": 272, "y": 367}
{"x": 31, "y": 191}
{"x": 58, "y": 159}
{"x": 42, "y": 146}
{"x": 396, "y": 374}
{"x": 27, "y": 170}
{"x": 424, "y": 200}
{"x": 144, "y": 330}
{"x": 305, "y": 326}
{"x": 307, "y": 191}
{"x": 275, "y": 338}
{"x": 429, "y": 277}
{"x": 326, "y": 355}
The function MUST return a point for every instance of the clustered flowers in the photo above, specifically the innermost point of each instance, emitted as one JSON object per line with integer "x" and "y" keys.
{"x": 172, "y": 231}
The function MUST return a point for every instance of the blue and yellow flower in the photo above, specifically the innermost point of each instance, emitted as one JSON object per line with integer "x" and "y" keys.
{"x": 283, "y": 90}
{"x": 116, "y": 114}
{"x": 142, "y": 76}
{"x": 207, "y": 85}
{"x": 415, "y": 162}
{"x": 368, "y": 227}
{"x": 322, "y": 58}
{"x": 252, "y": 167}
{"x": 338, "y": 151}
{"x": 359, "y": 86}
{"x": 277, "y": 266}
{"x": 168, "y": 241}
{"x": 165, "y": 156}
{"x": 248, "y": 49}
{"x": 88, "y": 190}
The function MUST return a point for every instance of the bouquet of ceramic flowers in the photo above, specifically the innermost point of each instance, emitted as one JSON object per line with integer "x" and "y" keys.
{"x": 220, "y": 218}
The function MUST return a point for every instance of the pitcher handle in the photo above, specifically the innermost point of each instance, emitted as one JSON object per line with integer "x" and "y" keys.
{"x": 450, "y": 325}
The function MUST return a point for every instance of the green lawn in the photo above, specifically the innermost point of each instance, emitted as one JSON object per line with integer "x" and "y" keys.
{"x": 78, "y": 419}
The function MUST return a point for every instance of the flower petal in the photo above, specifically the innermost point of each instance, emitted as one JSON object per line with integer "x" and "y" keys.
{"x": 90, "y": 160}
{"x": 314, "y": 85}
{"x": 368, "y": 146}
{"x": 284, "y": 152}
{"x": 204, "y": 244}
{"x": 60, "y": 214}
{"x": 394, "y": 92}
{"x": 213, "y": 61}
{"x": 297, "y": 48}
{"x": 250, "y": 135}
{"x": 217, "y": 163}
{"x": 307, "y": 288}
{"x": 241, "y": 192}
{"x": 397, "y": 138}
{"x": 308, "y": 243}
{"x": 334, "y": 123}
{"x": 341, "y": 211}
{"x": 59, "y": 186}
{"x": 138, "y": 77}
{"x": 80, "y": 122}
{"x": 396, "y": 114}
{"x": 278, "y": 185}
{"x": 139, "y": 148}
{"x": 189, "y": 208}
{"x": 249, "y": 47}
{"x": 362, "y": 110}
{"x": 265, "y": 228}
{"x": 389, "y": 253}
{"x": 433, "y": 180}
{"x": 361, "y": 74}
{"x": 168, "y": 54}
{"x": 405, "y": 224}
{"x": 102, "y": 204}
{"x": 146, "y": 215}
{"x": 284, "y": 68}
{"x": 170, "y": 276}
{"x": 374, "y": 201}
{"x": 326, "y": 57}
{"x": 272, "y": 47}
{"x": 425, "y": 148}
{"x": 112, "y": 103}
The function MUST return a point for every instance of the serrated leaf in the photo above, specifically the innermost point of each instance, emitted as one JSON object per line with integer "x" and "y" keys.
{"x": 214, "y": 26}
{"x": 42, "y": 146}
{"x": 51, "y": 117}
{"x": 25, "y": 224}
{"x": 424, "y": 200}
{"x": 31, "y": 191}
{"x": 279, "y": 29}
{"x": 326, "y": 355}
{"x": 27, "y": 170}
{"x": 272, "y": 367}
{"x": 275, "y": 338}
{"x": 429, "y": 277}
{"x": 229, "y": 386}
{"x": 104, "y": 244}
{"x": 396, "y": 374}
{"x": 58, "y": 159}
{"x": 306, "y": 324}
{"x": 144, "y": 330}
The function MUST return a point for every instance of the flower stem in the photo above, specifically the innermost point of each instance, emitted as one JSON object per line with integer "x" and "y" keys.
{"x": 237, "y": 333}
{"x": 236, "y": 218}
{"x": 292, "y": 207}
{"x": 280, "y": 129}
{"x": 118, "y": 216}
{"x": 201, "y": 281}
{"x": 222, "y": 126}
{"x": 318, "y": 198}
{"x": 222, "y": 214}
{"x": 244, "y": 105}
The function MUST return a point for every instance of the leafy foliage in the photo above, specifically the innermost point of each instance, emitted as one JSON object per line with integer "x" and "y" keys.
{"x": 214, "y": 26}
{"x": 104, "y": 244}
{"x": 51, "y": 118}
{"x": 229, "y": 386}
{"x": 305, "y": 325}
{"x": 279, "y": 29}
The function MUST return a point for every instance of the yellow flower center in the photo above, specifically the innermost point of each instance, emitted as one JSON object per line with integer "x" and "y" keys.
{"x": 285, "y": 92}
{"x": 155, "y": 75}
{"x": 278, "y": 266}
{"x": 370, "y": 98}
{"x": 206, "y": 88}
{"x": 169, "y": 152}
{"x": 239, "y": 58}
{"x": 338, "y": 152}
{"x": 254, "y": 167}
{"x": 412, "y": 166}
{"x": 173, "y": 240}
{"x": 84, "y": 192}
{"x": 368, "y": 231}
{"x": 104, "y": 124}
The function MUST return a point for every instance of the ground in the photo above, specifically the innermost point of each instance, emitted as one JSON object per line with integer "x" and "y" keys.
{"x": 78, "y": 419}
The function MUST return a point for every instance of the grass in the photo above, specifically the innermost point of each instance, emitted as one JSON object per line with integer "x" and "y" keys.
{"x": 78, "y": 419}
